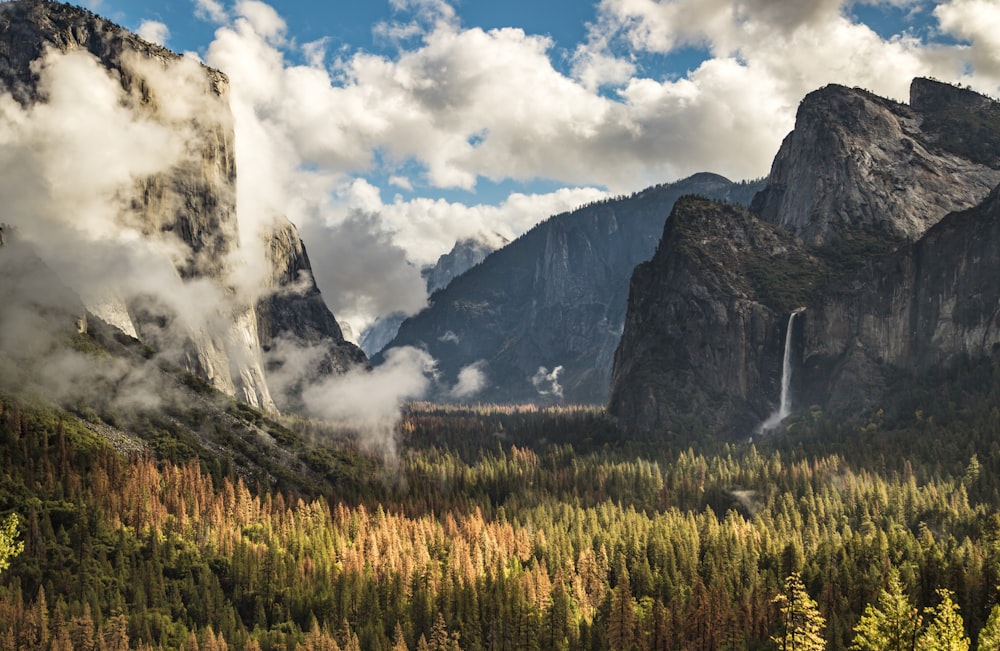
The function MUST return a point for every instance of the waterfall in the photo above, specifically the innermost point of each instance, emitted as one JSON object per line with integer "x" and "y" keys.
{"x": 785, "y": 405}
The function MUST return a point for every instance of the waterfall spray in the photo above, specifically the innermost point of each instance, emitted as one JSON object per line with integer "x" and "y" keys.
{"x": 785, "y": 405}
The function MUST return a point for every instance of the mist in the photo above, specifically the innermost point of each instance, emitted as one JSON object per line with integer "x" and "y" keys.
{"x": 100, "y": 186}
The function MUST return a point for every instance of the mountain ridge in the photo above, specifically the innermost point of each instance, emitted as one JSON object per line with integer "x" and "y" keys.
{"x": 540, "y": 318}
{"x": 867, "y": 262}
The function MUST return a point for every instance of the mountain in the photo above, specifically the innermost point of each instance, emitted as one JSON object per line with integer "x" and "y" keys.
{"x": 858, "y": 162}
{"x": 466, "y": 254}
{"x": 857, "y": 225}
{"x": 292, "y": 314}
{"x": 539, "y": 320}
{"x": 702, "y": 342}
{"x": 158, "y": 254}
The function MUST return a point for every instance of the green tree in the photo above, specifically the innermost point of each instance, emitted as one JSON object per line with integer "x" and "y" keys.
{"x": 946, "y": 632}
{"x": 989, "y": 637}
{"x": 892, "y": 625}
{"x": 801, "y": 622}
{"x": 622, "y": 618}
{"x": 9, "y": 545}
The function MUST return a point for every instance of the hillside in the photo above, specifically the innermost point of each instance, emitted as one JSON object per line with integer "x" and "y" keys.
{"x": 539, "y": 319}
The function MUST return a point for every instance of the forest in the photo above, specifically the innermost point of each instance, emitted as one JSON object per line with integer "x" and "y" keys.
{"x": 515, "y": 528}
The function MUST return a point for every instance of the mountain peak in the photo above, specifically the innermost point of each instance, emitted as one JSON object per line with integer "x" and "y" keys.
{"x": 857, "y": 162}
{"x": 929, "y": 95}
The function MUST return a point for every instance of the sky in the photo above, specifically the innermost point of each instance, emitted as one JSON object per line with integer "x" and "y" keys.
{"x": 386, "y": 130}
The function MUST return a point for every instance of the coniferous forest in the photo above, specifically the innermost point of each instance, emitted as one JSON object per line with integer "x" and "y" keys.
{"x": 503, "y": 528}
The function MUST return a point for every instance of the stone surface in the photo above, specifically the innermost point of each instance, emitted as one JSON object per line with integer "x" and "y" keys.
{"x": 859, "y": 162}
{"x": 859, "y": 229}
{"x": 554, "y": 298}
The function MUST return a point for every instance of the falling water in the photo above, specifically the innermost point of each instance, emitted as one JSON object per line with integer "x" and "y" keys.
{"x": 785, "y": 406}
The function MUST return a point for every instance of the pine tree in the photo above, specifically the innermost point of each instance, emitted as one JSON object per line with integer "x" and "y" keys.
{"x": 893, "y": 625}
{"x": 9, "y": 545}
{"x": 946, "y": 632}
{"x": 398, "y": 640}
{"x": 989, "y": 636}
{"x": 801, "y": 622}
{"x": 622, "y": 619}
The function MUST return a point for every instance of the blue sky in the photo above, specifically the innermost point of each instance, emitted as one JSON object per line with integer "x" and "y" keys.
{"x": 425, "y": 121}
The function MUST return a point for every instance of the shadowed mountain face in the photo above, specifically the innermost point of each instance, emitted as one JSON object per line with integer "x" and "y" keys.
{"x": 151, "y": 240}
{"x": 463, "y": 256}
{"x": 854, "y": 226}
{"x": 539, "y": 320}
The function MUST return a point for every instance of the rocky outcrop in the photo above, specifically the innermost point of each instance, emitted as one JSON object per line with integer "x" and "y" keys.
{"x": 856, "y": 162}
{"x": 703, "y": 340}
{"x": 463, "y": 256}
{"x": 185, "y": 214}
{"x": 293, "y": 313}
{"x": 541, "y": 317}
{"x": 855, "y": 231}
{"x": 926, "y": 306}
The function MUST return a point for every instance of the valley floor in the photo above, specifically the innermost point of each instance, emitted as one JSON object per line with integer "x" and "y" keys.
{"x": 501, "y": 528}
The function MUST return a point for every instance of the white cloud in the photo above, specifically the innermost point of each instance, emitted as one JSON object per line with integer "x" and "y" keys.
{"x": 370, "y": 400}
{"x": 471, "y": 380}
{"x": 263, "y": 19}
{"x": 547, "y": 382}
{"x": 977, "y": 21}
{"x": 211, "y": 10}
{"x": 154, "y": 31}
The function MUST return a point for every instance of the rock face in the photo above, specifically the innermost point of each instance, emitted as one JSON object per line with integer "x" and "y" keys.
{"x": 854, "y": 230}
{"x": 185, "y": 215}
{"x": 926, "y": 306}
{"x": 858, "y": 162}
{"x": 702, "y": 345}
{"x": 463, "y": 256}
{"x": 541, "y": 317}
{"x": 293, "y": 313}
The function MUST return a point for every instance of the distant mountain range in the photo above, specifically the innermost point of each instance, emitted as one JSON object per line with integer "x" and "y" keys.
{"x": 539, "y": 319}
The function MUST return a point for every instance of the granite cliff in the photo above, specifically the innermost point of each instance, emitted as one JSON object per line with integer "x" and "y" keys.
{"x": 871, "y": 220}
{"x": 466, "y": 253}
{"x": 856, "y": 162}
{"x": 541, "y": 317}
{"x": 185, "y": 215}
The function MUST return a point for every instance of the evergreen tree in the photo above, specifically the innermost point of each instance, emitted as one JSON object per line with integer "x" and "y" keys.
{"x": 946, "y": 632}
{"x": 622, "y": 619}
{"x": 893, "y": 625}
{"x": 801, "y": 622}
{"x": 10, "y": 546}
{"x": 989, "y": 636}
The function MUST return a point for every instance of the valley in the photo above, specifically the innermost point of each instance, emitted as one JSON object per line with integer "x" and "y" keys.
{"x": 708, "y": 414}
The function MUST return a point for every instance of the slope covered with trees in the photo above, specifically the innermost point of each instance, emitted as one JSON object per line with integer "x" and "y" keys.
{"x": 510, "y": 541}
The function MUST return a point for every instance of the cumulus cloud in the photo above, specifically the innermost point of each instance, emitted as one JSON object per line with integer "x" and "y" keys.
{"x": 154, "y": 31}
{"x": 978, "y": 23}
{"x": 211, "y": 10}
